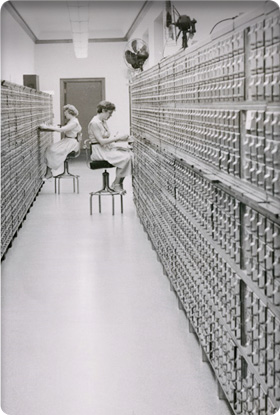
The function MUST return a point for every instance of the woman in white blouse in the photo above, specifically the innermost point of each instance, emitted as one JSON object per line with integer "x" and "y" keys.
{"x": 56, "y": 153}
{"x": 107, "y": 147}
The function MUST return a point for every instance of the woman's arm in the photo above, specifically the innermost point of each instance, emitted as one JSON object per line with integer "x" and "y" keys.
{"x": 102, "y": 141}
{"x": 125, "y": 137}
{"x": 68, "y": 127}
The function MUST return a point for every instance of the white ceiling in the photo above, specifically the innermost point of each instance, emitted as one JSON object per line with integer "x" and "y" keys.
{"x": 49, "y": 20}
{"x": 111, "y": 20}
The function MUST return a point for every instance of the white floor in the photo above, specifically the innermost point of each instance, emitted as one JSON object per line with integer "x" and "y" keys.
{"x": 89, "y": 323}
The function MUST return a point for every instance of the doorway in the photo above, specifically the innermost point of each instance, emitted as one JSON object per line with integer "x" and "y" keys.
{"x": 84, "y": 94}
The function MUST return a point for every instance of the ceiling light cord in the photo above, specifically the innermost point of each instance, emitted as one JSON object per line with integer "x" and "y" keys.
{"x": 229, "y": 18}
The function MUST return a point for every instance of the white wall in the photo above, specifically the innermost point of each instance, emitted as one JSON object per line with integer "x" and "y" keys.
{"x": 207, "y": 14}
{"x": 17, "y": 50}
{"x": 105, "y": 60}
{"x": 19, "y": 56}
{"x": 149, "y": 29}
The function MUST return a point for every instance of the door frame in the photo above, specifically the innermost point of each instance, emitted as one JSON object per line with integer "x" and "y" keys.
{"x": 63, "y": 81}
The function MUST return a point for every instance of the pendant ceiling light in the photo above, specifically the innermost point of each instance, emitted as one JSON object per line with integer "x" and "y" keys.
{"x": 79, "y": 18}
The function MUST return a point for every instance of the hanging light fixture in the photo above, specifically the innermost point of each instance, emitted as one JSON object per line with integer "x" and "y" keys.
{"x": 79, "y": 19}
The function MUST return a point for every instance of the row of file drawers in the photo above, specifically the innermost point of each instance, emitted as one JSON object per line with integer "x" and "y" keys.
{"x": 228, "y": 325}
{"x": 22, "y": 153}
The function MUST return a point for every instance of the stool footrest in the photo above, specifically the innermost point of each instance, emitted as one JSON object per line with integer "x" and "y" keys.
{"x": 106, "y": 192}
{"x": 66, "y": 175}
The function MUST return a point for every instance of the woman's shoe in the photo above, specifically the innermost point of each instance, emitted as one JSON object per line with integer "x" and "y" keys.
{"x": 118, "y": 188}
{"x": 48, "y": 174}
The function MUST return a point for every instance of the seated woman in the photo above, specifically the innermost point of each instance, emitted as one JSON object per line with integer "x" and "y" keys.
{"x": 56, "y": 153}
{"x": 105, "y": 147}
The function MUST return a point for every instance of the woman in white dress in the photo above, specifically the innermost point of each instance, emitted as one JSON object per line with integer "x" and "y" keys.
{"x": 56, "y": 153}
{"x": 107, "y": 147}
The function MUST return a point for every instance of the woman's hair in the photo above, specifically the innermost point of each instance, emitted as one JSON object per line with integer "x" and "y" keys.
{"x": 71, "y": 109}
{"x": 105, "y": 105}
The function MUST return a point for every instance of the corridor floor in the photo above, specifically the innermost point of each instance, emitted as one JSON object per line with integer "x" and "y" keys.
{"x": 89, "y": 323}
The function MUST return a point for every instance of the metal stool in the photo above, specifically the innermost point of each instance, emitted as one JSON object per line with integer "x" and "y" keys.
{"x": 106, "y": 190}
{"x": 66, "y": 174}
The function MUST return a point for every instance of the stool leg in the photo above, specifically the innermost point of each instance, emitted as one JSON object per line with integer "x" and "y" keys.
{"x": 99, "y": 197}
{"x": 58, "y": 186}
{"x": 66, "y": 167}
{"x": 105, "y": 176}
{"x": 113, "y": 205}
{"x": 121, "y": 203}
{"x": 54, "y": 185}
{"x": 78, "y": 185}
{"x": 74, "y": 187}
{"x": 90, "y": 205}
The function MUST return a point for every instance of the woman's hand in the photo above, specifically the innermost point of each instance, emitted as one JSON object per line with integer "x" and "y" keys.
{"x": 130, "y": 139}
{"x": 122, "y": 138}
{"x": 46, "y": 127}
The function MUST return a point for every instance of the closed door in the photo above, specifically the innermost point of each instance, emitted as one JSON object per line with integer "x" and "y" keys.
{"x": 84, "y": 94}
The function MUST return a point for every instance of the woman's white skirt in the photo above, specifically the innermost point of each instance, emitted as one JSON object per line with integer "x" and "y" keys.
{"x": 56, "y": 153}
{"x": 121, "y": 158}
